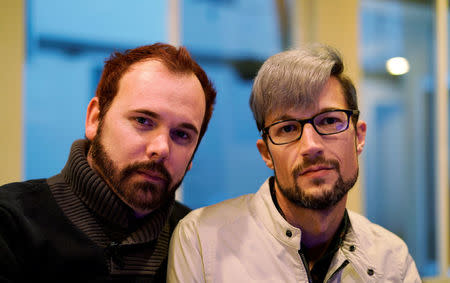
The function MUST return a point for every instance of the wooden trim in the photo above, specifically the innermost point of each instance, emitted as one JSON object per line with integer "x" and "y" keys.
{"x": 12, "y": 31}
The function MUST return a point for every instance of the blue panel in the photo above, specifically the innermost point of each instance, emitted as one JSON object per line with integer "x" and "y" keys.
{"x": 232, "y": 28}
{"x": 117, "y": 22}
{"x": 57, "y": 93}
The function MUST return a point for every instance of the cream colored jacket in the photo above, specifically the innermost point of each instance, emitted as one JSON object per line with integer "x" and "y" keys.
{"x": 246, "y": 240}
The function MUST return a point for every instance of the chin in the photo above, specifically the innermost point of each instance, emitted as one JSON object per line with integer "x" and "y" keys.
{"x": 315, "y": 186}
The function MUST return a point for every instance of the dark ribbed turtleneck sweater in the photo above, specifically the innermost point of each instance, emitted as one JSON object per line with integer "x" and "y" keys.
{"x": 73, "y": 228}
{"x": 131, "y": 245}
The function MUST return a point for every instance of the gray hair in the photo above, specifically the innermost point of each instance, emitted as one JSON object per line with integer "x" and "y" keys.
{"x": 295, "y": 77}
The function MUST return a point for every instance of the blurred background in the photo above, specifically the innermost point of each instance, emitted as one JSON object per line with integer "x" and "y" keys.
{"x": 52, "y": 54}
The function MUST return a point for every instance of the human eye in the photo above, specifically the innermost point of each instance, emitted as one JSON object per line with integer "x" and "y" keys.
{"x": 289, "y": 128}
{"x": 331, "y": 122}
{"x": 181, "y": 136}
{"x": 330, "y": 119}
{"x": 144, "y": 122}
{"x": 285, "y": 128}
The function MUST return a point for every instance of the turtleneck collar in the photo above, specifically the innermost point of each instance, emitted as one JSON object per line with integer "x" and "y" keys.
{"x": 92, "y": 190}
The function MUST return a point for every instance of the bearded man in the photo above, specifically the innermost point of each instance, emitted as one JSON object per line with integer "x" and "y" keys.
{"x": 110, "y": 212}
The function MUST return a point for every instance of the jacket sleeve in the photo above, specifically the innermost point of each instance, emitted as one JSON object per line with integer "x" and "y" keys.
{"x": 411, "y": 273}
{"x": 185, "y": 254}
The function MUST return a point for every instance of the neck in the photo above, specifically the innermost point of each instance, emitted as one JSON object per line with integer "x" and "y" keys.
{"x": 318, "y": 226}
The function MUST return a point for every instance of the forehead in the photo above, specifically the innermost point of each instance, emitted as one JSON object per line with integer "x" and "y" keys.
{"x": 146, "y": 70}
{"x": 150, "y": 85}
{"x": 330, "y": 97}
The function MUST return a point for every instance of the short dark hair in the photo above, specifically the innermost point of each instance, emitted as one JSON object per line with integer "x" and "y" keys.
{"x": 177, "y": 60}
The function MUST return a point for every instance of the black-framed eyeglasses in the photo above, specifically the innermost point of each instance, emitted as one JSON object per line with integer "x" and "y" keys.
{"x": 326, "y": 123}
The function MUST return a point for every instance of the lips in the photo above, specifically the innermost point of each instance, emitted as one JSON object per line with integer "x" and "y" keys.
{"x": 316, "y": 168}
{"x": 152, "y": 175}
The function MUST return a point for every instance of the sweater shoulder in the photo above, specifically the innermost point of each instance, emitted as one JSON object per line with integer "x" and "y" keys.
{"x": 29, "y": 198}
{"x": 20, "y": 190}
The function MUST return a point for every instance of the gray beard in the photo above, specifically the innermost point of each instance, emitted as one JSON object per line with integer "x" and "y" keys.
{"x": 328, "y": 199}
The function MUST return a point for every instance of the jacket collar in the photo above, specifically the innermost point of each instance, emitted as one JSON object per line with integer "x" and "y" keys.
{"x": 353, "y": 247}
{"x": 263, "y": 208}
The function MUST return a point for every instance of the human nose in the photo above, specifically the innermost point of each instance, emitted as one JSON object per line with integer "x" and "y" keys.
{"x": 310, "y": 142}
{"x": 158, "y": 147}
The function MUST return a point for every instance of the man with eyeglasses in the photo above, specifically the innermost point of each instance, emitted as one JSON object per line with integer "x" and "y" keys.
{"x": 296, "y": 228}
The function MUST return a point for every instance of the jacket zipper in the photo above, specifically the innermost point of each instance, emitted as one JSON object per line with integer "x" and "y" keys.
{"x": 305, "y": 264}
{"x": 344, "y": 264}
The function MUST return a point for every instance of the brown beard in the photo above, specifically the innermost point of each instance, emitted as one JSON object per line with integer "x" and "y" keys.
{"x": 128, "y": 191}
{"x": 327, "y": 199}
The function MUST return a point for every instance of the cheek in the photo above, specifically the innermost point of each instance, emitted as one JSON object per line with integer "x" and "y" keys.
{"x": 123, "y": 151}
{"x": 348, "y": 159}
{"x": 285, "y": 162}
{"x": 178, "y": 162}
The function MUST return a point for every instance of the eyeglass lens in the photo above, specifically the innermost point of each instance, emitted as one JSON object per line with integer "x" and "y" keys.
{"x": 326, "y": 123}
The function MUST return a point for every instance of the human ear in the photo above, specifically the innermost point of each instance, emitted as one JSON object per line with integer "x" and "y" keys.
{"x": 361, "y": 128}
{"x": 265, "y": 154}
{"x": 92, "y": 118}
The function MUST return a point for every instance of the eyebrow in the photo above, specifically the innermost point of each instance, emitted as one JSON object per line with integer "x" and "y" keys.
{"x": 290, "y": 117}
{"x": 155, "y": 115}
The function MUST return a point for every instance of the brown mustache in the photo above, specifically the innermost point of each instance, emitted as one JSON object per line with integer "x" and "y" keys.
{"x": 147, "y": 166}
{"x": 308, "y": 162}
